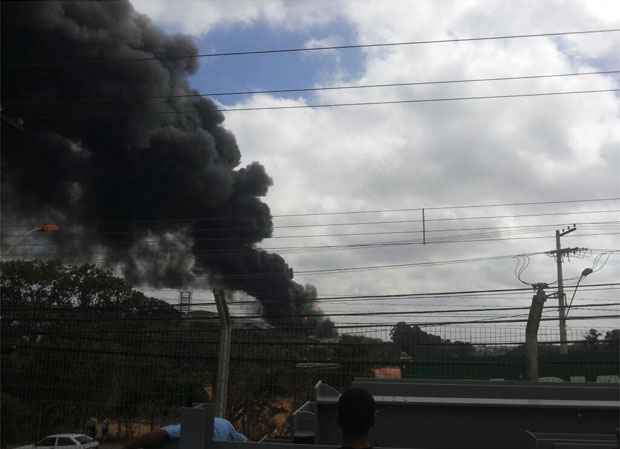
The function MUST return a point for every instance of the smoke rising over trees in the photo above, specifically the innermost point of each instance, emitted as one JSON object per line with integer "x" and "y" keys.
{"x": 146, "y": 182}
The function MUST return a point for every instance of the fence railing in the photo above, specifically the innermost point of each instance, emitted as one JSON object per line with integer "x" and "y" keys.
{"x": 62, "y": 368}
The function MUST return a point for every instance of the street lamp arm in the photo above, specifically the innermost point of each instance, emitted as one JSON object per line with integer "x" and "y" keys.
{"x": 573, "y": 297}
{"x": 584, "y": 273}
{"x": 48, "y": 227}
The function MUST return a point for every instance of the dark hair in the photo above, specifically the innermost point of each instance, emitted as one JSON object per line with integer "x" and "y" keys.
{"x": 356, "y": 412}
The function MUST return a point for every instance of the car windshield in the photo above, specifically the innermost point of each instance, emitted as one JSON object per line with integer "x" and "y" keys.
{"x": 47, "y": 442}
{"x": 83, "y": 439}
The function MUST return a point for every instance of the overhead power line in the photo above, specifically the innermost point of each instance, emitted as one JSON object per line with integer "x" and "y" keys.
{"x": 363, "y": 245}
{"x": 111, "y": 99}
{"x": 117, "y": 112}
{"x": 431, "y": 231}
{"x": 401, "y": 84}
{"x": 502, "y": 296}
{"x": 500, "y": 321}
{"x": 413, "y": 231}
{"x": 420, "y": 295}
{"x": 369, "y": 211}
{"x": 358, "y": 223}
{"x": 323, "y": 48}
{"x": 402, "y": 43}
{"x": 482, "y": 217}
{"x": 19, "y": 307}
{"x": 478, "y": 301}
{"x": 380, "y": 267}
{"x": 416, "y": 264}
{"x": 422, "y": 312}
{"x": 461, "y": 206}
{"x": 409, "y": 101}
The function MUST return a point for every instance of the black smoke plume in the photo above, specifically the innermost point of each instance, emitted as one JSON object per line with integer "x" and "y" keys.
{"x": 119, "y": 150}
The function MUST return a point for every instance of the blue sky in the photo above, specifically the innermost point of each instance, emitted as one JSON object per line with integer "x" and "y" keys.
{"x": 274, "y": 71}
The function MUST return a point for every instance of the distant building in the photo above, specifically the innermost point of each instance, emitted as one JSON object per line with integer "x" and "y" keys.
{"x": 387, "y": 372}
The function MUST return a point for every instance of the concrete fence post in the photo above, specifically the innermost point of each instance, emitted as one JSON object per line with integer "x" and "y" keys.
{"x": 223, "y": 359}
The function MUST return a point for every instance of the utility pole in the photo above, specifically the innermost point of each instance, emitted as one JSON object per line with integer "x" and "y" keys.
{"x": 531, "y": 330}
{"x": 561, "y": 297}
{"x": 423, "y": 228}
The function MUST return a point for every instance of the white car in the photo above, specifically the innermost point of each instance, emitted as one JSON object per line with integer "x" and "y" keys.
{"x": 67, "y": 441}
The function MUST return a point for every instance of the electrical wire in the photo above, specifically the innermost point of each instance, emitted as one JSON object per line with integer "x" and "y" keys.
{"x": 88, "y": 114}
{"x": 461, "y": 294}
{"x": 420, "y": 312}
{"x": 484, "y": 294}
{"x": 431, "y": 295}
{"x": 426, "y": 231}
{"x": 353, "y": 246}
{"x": 382, "y": 301}
{"x": 190, "y": 220}
{"x": 407, "y": 101}
{"x": 411, "y": 264}
{"x": 41, "y": 100}
{"x": 447, "y": 323}
{"x": 19, "y": 307}
{"x": 541, "y": 214}
{"x": 318, "y": 48}
{"x": 524, "y": 262}
{"x": 466, "y": 206}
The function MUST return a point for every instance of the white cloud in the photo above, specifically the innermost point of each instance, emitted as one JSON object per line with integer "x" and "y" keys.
{"x": 200, "y": 16}
{"x": 399, "y": 156}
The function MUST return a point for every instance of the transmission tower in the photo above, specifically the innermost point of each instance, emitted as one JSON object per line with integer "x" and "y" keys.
{"x": 185, "y": 302}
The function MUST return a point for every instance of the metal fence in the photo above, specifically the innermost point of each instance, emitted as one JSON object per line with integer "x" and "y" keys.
{"x": 60, "y": 368}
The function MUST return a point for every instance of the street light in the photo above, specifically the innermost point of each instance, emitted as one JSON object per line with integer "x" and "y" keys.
{"x": 45, "y": 227}
{"x": 584, "y": 273}
{"x": 48, "y": 227}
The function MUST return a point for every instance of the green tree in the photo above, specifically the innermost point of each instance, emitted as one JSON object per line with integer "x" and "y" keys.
{"x": 77, "y": 340}
{"x": 612, "y": 340}
{"x": 325, "y": 328}
{"x": 591, "y": 339}
{"x": 402, "y": 336}
{"x": 51, "y": 283}
{"x": 414, "y": 341}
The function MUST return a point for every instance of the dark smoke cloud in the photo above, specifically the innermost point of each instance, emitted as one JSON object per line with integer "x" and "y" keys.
{"x": 120, "y": 169}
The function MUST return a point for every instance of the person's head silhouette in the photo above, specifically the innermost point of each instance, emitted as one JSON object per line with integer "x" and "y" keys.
{"x": 356, "y": 415}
